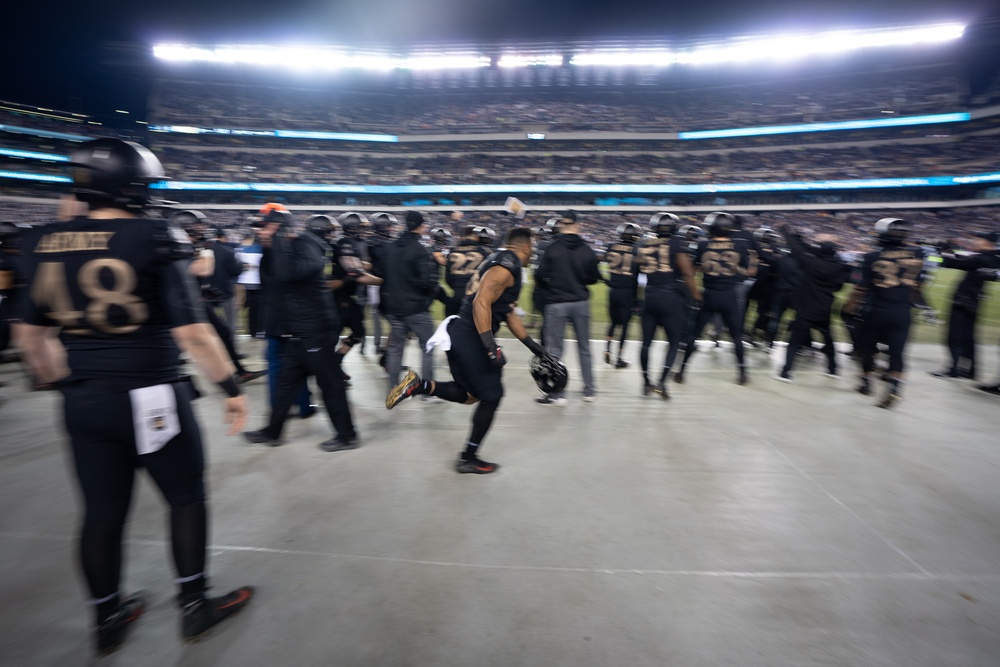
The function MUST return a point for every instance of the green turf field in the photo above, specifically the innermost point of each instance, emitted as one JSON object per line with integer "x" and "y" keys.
{"x": 938, "y": 294}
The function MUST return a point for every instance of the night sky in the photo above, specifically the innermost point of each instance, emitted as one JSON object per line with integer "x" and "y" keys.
{"x": 62, "y": 62}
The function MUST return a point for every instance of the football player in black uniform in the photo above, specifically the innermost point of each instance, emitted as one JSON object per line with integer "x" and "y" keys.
{"x": 350, "y": 257}
{"x": 384, "y": 227}
{"x": 622, "y": 286}
{"x": 475, "y": 359}
{"x": 462, "y": 264}
{"x": 724, "y": 262}
{"x": 883, "y": 299}
{"x": 767, "y": 244}
{"x": 114, "y": 287}
{"x": 670, "y": 286}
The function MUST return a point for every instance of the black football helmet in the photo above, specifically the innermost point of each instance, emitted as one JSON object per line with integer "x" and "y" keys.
{"x": 322, "y": 226}
{"x": 441, "y": 237}
{"x": 116, "y": 173}
{"x": 552, "y": 224}
{"x": 353, "y": 224}
{"x": 664, "y": 224}
{"x": 720, "y": 224}
{"x": 383, "y": 224}
{"x": 767, "y": 236}
{"x": 549, "y": 374}
{"x": 487, "y": 236}
{"x": 892, "y": 231}
{"x": 691, "y": 233}
{"x": 629, "y": 232}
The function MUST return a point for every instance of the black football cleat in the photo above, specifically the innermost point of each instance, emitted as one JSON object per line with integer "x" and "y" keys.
{"x": 679, "y": 376}
{"x": 200, "y": 615}
{"x": 112, "y": 632}
{"x": 892, "y": 397}
{"x": 993, "y": 389}
{"x": 403, "y": 390}
{"x": 647, "y": 388}
{"x": 945, "y": 374}
{"x": 865, "y": 388}
{"x": 743, "y": 378}
{"x": 621, "y": 363}
{"x": 475, "y": 466}
{"x": 661, "y": 389}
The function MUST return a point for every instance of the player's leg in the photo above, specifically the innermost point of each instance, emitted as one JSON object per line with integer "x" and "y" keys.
{"x": 322, "y": 360}
{"x": 691, "y": 342}
{"x": 673, "y": 319}
{"x": 293, "y": 373}
{"x": 732, "y": 315}
{"x": 823, "y": 327}
{"x": 609, "y": 338}
{"x": 105, "y": 459}
{"x": 896, "y": 335}
{"x": 797, "y": 337}
{"x": 556, "y": 317}
{"x": 648, "y": 322}
{"x": 394, "y": 353}
{"x": 422, "y": 326}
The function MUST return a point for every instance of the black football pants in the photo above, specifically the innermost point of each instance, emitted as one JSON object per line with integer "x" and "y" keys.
{"x": 889, "y": 325}
{"x": 726, "y": 304}
{"x": 666, "y": 309}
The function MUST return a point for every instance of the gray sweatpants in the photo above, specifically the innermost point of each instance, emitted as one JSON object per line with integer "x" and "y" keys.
{"x": 557, "y": 315}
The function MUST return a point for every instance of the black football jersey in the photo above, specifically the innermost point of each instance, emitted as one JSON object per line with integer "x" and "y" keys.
{"x": 620, "y": 257}
{"x": 724, "y": 263}
{"x": 347, "y": 256}
{"x": 115, "y": 288}
{"x": 656, "y": 259}
{"x": 890, "y": 274}
{"x": 463, "y": 262}
{"x": 502, "y": 306}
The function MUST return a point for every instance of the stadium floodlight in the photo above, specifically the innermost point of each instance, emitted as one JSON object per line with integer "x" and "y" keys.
{"x": 512, "y": 60}
{"x": 444, "y": 61}
{"x": 315, "y": 58}
{"x": 775, "y": 47}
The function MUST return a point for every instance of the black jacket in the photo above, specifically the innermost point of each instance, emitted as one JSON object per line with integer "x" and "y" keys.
{"x": 566, "y": 268}
{"x": 970, "y": 290}
{"x": 822, "y": 277}
{"x": 227, "y": 269}
{"x": 297, "y": 300}
{"x": 410, "y": 277}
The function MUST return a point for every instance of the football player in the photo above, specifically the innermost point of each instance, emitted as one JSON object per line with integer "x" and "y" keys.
{"x": 883, "y": 299}
{"x": 475, "y": 359}
{"x": 621, "y": 287}
{"x": 384, "y": 226}
{"x": 114, "y": 287}
{"x": 462, "y": 264}
{"x": 725, "y": 263}
{"x": 670, "y": 286}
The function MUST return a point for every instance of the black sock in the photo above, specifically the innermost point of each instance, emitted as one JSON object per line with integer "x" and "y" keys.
{"x": 470, "y": 451}
{"x": 189, "y": 537}
{"x": 100, "y": 557}
{"x": 106, "y": 607}
{"x": 449, "y": 391}
{"x": 482, "y": 420}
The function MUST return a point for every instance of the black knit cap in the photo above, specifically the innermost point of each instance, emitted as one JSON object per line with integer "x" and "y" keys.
{"x": 413, "y": 220}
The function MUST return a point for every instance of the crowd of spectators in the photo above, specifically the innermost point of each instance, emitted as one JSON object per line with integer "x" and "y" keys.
{"x": 963, "y": 155}
{"x": 827, "y": 98}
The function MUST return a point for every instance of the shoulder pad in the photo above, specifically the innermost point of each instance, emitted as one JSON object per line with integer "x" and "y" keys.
{"x": 172, "y": 242}
{"x": 508, "y": 260}
{"x": 345, "y": 248}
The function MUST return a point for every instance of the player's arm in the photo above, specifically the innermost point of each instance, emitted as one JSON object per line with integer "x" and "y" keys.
{"x": 686, "y": 266}
{"x": 43, "y": 352}
{"x": 199, "y": 340}
{"x": 491, "y": 287}
{"x": 516, "y": 326}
